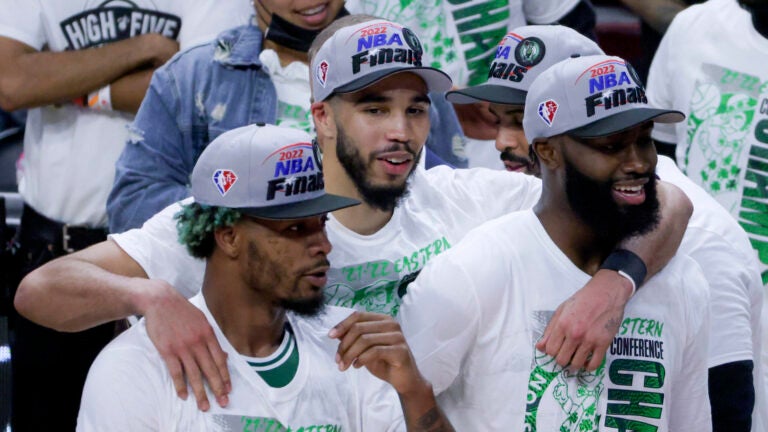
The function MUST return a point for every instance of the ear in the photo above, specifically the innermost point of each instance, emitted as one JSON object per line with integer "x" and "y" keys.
{"x": 325, "y": 125}
{"x": 548, "y": 152}
{"x": 228, "y": 240}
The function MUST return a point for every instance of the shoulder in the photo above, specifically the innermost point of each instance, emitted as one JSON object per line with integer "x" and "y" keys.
{"x": 684, "y": 284}
{"x": 486, "y": 255}
{"x": 479, "y": 183}
{"x": 128, "y": 356}
{"x": 161, "y": 227}
{"x": 710, "y": 222}
{"x": 693, "y": 15}
{"x": 214, "y": 50}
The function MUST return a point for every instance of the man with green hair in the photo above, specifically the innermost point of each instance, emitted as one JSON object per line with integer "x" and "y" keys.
{"x": 266, "y": 257}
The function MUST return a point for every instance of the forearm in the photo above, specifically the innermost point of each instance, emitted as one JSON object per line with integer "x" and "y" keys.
{"x": 657, "y": 247}
{"x": 657, "y": 13}
{"x": 74, "y": 293}
{"x": 31, "y": 78}
{"x": 422, "y": 412}
{"x": 732, "y": 395}
{"x": 128, "y": 91}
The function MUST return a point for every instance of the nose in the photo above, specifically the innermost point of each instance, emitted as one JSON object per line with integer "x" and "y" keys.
{"x": 509, "y": 138}
{"x": 319, "y": 244}
{"x": 397, "y": 128}
{"x": 639, "y": 158}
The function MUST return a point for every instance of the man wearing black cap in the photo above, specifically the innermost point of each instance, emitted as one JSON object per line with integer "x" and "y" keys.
{"x": 489, "y": 298}
{"x": 266, "y": 263}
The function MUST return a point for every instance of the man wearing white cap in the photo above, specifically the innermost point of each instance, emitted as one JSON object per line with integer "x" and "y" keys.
{"x": 713, "y": 239}
{"x": 476, "y": 340}
{"x": 266, "y": 263}
{"x": 521, "y": 56}
{"x": 371, "y": 114}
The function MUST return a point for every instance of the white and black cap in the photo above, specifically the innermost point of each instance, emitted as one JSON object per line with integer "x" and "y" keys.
{"x": 521, "y": 56}
{"x": 265, "y": 171}
{"x": 589, "y": 97}
{"x": 362, "y": 54}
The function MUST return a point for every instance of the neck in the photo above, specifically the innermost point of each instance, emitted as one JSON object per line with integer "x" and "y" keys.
{"x": 578, "y": 241}
{"x": 362, "y": 219}
{"x": 252, "y": 325}
{"x": 286, "y": 55}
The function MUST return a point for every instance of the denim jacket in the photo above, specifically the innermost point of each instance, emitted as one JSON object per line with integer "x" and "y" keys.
{"x": 198, "y": 95}
{"x": 191, "y": 100}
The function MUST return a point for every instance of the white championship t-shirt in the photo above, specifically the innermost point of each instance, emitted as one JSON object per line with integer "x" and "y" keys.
{"x": 367, "y": 272}
{"x": 720, "y": 81}
{"x": 722, "y": 250}
{"x": 293, "y": 92}
{"x": 129, "y": 389}
{"x": 69, "y": 151}
{"x": 473, "y": 316}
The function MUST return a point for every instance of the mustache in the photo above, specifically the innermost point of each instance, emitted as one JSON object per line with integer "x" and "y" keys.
{"x": 511, "y": 157}
{"x": 323, "y": 262}
{"x": 396, "y": 147}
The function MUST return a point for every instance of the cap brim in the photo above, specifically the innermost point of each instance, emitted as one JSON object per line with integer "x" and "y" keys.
{"x": 298, "y": 210}
{"x": 487, "y": 93}
{"x": 624, "y": 120}
{"x": 436, "y": 80}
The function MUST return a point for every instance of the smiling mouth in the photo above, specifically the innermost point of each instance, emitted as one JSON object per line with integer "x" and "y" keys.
{"x": 313, "y": 11}
{"x": 630, "y": 194}
{"x": 396, "y": 161}
{"x": 629, "y": 190}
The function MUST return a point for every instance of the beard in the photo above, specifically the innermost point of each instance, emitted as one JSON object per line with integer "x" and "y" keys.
{"x": 592, "y": 202}
{"x": 269, "y": 274}
{"x": 384, "y": 198}
{"x": 309, "y": 307}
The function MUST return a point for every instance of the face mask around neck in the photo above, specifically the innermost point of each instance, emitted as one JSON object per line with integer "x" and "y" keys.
{"x": 292, "y": 36}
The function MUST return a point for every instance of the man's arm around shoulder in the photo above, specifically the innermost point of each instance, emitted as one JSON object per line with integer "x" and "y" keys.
{"x": 103, "y": 283}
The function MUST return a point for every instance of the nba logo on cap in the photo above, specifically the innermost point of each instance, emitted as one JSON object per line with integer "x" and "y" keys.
{"x": 322, "y": 72}
{"x": 547, "y": 111}
{"x": 224, "y": 179}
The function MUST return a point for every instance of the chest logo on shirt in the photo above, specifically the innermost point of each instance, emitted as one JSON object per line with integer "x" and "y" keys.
{"x": 231, "y": 422}
{"x": 630, "y": 380}
{"x": 115, "y": 20}
{"x": 224, "y": 180}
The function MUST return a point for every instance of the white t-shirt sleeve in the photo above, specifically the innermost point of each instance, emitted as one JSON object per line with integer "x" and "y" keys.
{"x": 690, "y": 399}
{"x": 205, "y": 20}
{"x": 122, "y": 392}
{"x": 488, "y": 193}
{"x": 731, "y": 282}
{"x": 661, "y": 79}
{"x": 22, "y": 20}
{"x": 440, "y": 317}
{"x": 547, "y": 11}
{"x": 156, "y": 248}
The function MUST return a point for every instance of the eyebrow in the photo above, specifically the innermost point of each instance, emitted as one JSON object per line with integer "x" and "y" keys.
{"x": 377, "y": 98}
